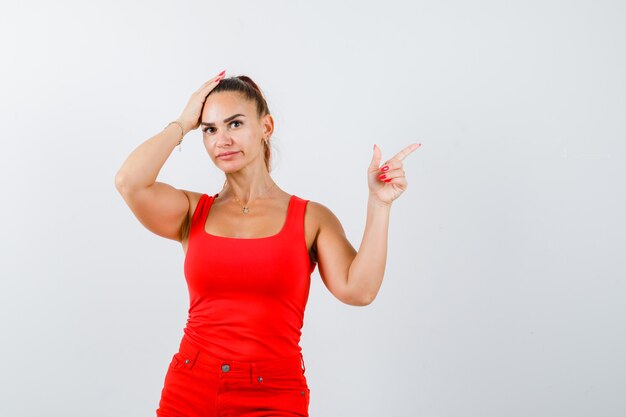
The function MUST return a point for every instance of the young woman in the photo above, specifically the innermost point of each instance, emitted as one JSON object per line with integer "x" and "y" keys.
{"x": 249, "y": 252}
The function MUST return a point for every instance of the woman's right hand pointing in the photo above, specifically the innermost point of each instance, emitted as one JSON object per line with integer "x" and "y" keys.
{"x": 190, "y": 117}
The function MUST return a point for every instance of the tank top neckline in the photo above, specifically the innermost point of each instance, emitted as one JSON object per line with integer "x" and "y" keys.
{"x": 282, "y": 231}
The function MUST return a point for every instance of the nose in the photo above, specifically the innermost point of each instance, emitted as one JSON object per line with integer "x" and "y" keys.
{"x": 223, "y": 140}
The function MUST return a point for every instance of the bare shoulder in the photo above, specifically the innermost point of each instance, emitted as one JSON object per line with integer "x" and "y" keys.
{"x": 321, "y": 219}
{"x": 194, "y": 198}
{"x": 321, "y": 215}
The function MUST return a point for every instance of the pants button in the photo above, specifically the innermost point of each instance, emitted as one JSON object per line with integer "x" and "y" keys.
{"x": 260, "y": 379}
{"x": 226, "y": 368}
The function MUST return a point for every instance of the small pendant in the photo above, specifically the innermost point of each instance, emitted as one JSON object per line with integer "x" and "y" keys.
{"x": 245, "y": 210}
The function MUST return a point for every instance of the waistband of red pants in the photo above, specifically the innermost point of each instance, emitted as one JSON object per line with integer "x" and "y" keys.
{"x": 191, "y": 354}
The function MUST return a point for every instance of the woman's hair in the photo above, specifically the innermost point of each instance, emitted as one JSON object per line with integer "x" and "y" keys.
{"x": 250, "y": 91}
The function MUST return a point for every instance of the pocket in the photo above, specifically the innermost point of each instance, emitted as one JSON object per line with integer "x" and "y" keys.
{"x": 288, "y": 391}
{"x": 290, "y": 381}
{"x": 174, "y": 362}
{"x": 182, "y": 360}
{"x": 307, "y": 397}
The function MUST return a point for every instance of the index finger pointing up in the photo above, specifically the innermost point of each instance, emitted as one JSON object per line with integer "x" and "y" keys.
{"x": 406, "y": 151}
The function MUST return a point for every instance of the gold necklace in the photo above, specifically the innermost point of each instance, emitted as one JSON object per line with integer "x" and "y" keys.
{"x": 245, "y": 208}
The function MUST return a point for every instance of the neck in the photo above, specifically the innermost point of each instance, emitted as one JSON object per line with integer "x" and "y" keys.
{"x": 248, "y": 187}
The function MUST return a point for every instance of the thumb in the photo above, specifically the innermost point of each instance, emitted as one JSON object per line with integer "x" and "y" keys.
{"x": 375, "y": 159}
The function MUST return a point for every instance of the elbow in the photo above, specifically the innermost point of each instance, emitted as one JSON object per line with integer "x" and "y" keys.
{"x": 119, "y": 181}
{"x": 359, "y": 297}
{"x": 368, "y": 300}
{"x": 360, "y": 300}
{"x": 123, "y": 183}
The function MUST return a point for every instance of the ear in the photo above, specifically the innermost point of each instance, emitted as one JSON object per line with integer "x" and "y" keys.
{"x": 268, "y": 125}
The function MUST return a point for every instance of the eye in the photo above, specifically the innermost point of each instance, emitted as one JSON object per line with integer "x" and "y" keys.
{"x": 206, "y": 129}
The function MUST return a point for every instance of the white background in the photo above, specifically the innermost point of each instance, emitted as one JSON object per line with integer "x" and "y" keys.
{"x": 505, "y": 283}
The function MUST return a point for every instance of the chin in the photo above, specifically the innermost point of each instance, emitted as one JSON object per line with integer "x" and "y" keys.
{"x": 228, "y": 168}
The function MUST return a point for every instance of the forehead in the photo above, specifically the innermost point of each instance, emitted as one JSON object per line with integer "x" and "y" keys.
{"x": 225, "y": 103}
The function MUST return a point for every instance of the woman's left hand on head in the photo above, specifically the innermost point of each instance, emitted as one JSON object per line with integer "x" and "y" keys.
{"x": 394, "y": 182}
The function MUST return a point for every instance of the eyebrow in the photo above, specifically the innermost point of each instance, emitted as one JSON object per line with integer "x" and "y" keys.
{"x": 226, "y": 120}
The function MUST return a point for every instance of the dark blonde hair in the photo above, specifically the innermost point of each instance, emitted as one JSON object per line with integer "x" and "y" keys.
{"x": 250, "y": 91}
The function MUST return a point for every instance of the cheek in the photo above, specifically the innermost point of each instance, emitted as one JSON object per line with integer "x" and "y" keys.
{"x": 207, "y": 142}
{"x": 209, "y": 146}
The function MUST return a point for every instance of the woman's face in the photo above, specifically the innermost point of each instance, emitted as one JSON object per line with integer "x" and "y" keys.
{"x": 230, "y": 124}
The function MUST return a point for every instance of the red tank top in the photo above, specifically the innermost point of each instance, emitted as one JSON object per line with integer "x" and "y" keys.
{"x": 247, "y": 296}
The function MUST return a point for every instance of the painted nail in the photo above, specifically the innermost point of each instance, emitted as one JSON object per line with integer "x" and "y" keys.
{"x": 385, "y": 168}
{"x": 382, "y": 176}
{"x": 388, "y": 180}
{"x": 222, "y": 72}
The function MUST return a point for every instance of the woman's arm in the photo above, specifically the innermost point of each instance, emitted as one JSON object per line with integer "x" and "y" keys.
{"x": 158, "y": 206}
{"x": 161, "y": 208}
{"x": 368, "y": 267}
{"x": 355, "y": 277}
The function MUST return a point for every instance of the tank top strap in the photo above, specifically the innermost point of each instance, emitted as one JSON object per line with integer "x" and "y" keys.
{"x": 295, "y": 219}
{"x": 200, "y": 213}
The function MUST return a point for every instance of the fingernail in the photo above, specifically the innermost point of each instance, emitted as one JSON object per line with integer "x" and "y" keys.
{"x": 222, "y": 72}
{"x": 385, "y": 168}
{"x": 388, "y": 180}
{"x": 382, "y": 176}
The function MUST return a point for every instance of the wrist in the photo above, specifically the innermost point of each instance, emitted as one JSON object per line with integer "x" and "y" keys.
{"x": 377, "y": 202}
{"x": 186, "y": 126}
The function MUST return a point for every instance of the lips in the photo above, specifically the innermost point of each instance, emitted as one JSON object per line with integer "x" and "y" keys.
{"x": 226, "y": 153}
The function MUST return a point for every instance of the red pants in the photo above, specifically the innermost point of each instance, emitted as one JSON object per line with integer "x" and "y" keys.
{"x": 200, "y": 385}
